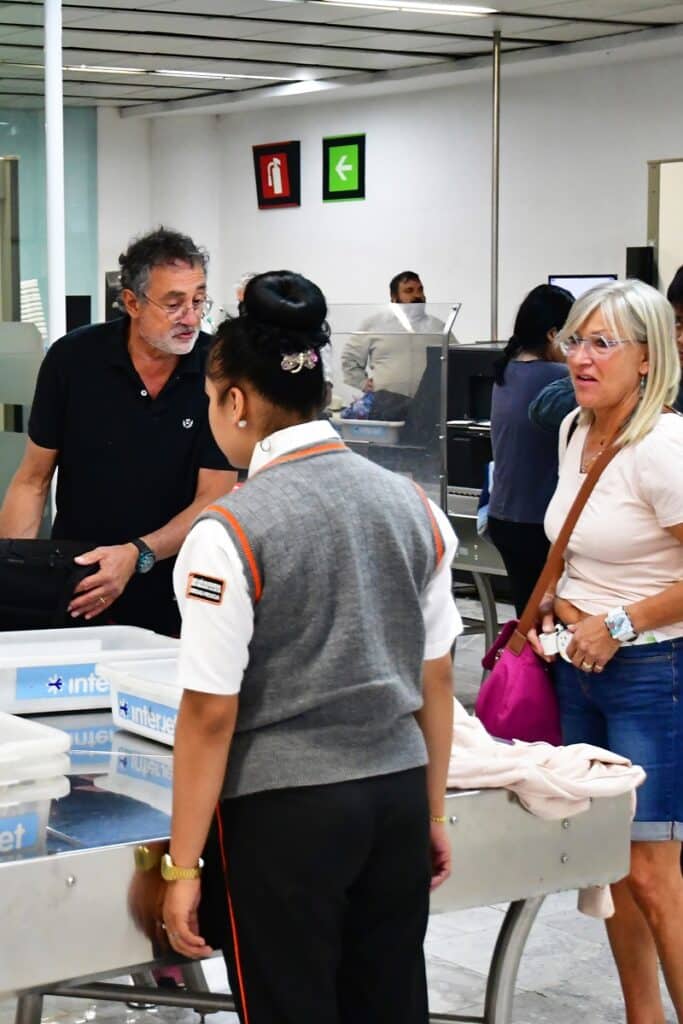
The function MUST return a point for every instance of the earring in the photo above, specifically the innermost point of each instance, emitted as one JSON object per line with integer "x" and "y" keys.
{"x": 241, "y": 424}
{"x": 643, "y": 384}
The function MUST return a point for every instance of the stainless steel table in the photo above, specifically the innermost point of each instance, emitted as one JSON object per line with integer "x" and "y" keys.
{"x": 475, "y": 555}
{"x": 66, "y": 923}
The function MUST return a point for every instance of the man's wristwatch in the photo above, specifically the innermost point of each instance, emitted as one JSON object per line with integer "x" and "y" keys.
{"x": 170, "y": 873}
{"x": 146, "y": 557}
{"x": 619, "y": 625}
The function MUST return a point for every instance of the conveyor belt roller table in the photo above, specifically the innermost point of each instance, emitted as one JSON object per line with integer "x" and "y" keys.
{"x": 66, "y": 923}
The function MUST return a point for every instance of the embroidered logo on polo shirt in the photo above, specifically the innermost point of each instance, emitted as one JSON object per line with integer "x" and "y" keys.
{"x": 205, "y": 588}
{"x": 188, "y": 423}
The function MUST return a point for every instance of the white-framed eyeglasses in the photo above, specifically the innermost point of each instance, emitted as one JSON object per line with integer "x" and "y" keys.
{"x": 598, "y": 345}
{"x": 177, "y": 310}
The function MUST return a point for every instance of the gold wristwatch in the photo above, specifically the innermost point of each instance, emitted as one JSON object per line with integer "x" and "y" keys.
{"x": 170, "y": 873}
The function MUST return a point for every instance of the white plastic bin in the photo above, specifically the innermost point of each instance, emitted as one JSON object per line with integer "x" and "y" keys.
{"x": 24, "y": 814}
{"x": 378, "y": 431}
{"x": 32, "y": 760}
{"x": 54, "y": 669}
{"x": 145, "y": 696}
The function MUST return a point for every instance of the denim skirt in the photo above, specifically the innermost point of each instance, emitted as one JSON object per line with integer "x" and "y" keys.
{"x": 633, "y": 708}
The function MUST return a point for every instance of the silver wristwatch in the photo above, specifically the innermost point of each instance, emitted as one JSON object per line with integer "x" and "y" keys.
{"x": 619, "y": 625}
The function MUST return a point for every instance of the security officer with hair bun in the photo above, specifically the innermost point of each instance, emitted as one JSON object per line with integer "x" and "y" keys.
{"x": 315, "y": 726}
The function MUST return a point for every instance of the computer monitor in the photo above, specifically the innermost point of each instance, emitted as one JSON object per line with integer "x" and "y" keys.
{"x": 577, "y": 284}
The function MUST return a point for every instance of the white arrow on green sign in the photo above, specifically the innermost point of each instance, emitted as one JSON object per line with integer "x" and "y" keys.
{"x": 344, "y": 167}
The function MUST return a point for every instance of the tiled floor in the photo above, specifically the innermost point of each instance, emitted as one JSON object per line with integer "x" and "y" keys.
{"x": 566, "y": 975}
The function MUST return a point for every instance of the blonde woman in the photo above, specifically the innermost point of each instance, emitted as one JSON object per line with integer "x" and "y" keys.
{"x": 621, "y": 595}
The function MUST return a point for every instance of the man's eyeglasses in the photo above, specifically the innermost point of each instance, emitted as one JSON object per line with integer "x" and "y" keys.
{"x": 597, "y": 345}
{"x": 177, "y": 310}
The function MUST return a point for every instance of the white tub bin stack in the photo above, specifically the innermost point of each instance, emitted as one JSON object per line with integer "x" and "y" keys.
{"x": 33, "y": 766}
{"x": 45, "y": 670}
{"x": 145, "y": 695}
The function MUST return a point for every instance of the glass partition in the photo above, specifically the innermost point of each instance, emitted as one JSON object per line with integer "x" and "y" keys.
{"x": 385, "y": 373}
{"x": 22, "y": 135}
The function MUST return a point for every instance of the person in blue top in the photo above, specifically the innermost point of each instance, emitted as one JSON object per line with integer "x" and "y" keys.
{"x": 557, "y": 399}
{"x": 525, "y": 458}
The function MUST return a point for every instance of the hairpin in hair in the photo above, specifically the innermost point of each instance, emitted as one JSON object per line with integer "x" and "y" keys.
{"x": 297, "y": 361}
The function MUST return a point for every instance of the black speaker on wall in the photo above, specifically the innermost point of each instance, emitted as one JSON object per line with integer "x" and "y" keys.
{"x": 112, "y": 289}
{"x": 77, "y": 311}
{"x": 640, "y": 263}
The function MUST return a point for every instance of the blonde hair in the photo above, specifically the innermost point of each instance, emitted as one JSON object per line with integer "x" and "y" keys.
{"x": 636, "y": 312}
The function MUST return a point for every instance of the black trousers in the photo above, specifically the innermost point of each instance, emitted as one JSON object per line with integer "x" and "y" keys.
{"x": 327, "y": 893}
{"x": 524, "y": 548}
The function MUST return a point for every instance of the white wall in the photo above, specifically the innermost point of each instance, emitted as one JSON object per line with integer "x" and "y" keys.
{"x": 574, "y": 152}
{"x": 165, "y": 170}
{"x": 123, "y": 188}
{"x": 670, "y": 241}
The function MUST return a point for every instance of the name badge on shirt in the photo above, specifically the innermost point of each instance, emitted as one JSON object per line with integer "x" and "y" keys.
{"x": 205, "y": 588}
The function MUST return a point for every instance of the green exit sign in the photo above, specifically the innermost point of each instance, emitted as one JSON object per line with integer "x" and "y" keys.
{"x": 343, "y": 167}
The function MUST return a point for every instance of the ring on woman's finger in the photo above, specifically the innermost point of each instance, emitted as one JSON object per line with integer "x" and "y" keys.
{"x": 103, "y": 600}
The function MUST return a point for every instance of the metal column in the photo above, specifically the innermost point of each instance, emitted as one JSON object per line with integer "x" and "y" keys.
{"x": 495, "y": 184}
{"x": 54, "y": 160}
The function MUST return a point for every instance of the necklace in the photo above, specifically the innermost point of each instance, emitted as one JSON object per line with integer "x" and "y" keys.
{"x": 590, "y": 452}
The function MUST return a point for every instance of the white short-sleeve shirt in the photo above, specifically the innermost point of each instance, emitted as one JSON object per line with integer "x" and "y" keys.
{"x": 621, "y": 550}
{"x": 216, "y": 635}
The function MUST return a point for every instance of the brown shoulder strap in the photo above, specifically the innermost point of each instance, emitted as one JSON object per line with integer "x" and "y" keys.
{"x": 553, "y": 563}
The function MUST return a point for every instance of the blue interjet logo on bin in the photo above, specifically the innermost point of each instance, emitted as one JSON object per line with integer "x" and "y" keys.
{"x": 19, "y": 832}
{"x": 60, "y": 681}
{"x": 149, "y": 714}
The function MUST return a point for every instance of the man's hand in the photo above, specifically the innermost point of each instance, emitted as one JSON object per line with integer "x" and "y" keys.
{"x": 97, "y": 592}
{"x": 180, "y": 919}
{"x": 441, "y": 854}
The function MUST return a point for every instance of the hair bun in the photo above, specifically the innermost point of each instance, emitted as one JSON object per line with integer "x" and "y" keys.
{"x": 283, "y": 299}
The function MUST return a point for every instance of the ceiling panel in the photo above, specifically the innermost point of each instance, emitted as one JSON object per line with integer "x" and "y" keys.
{"x": 275, "y": 41}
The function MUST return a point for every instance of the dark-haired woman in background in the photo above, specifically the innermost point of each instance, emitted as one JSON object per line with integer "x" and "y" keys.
{"x": 315, "y": 661}
{"x": 525, "y": 458}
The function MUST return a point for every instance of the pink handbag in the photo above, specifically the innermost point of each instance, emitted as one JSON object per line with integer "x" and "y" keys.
{"x": 517, "y": 701}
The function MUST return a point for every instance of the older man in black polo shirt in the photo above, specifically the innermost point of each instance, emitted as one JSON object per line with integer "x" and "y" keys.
{"x": 120, "y": 410}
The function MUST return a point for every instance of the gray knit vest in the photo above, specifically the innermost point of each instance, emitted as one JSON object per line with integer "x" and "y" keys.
{"x": 336, "y": 552}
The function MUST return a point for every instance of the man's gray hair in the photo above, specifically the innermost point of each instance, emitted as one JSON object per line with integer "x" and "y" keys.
{"x": 155, "y": 249}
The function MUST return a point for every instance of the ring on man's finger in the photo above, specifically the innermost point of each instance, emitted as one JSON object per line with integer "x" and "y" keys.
{"x": 598, "y": 668}
{"x": 586, "y": 666}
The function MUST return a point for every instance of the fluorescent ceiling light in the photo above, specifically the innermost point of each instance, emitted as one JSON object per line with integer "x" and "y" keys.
{"x": 166, "y": 72}
{"x": 314, "y": 85}
{"x": 216, "y": 75}
{"x": 104, "y": 71}
{"x": 409, "y": 7}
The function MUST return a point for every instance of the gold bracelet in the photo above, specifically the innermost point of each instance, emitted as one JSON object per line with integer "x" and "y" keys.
{"x": 439, "y": 819}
